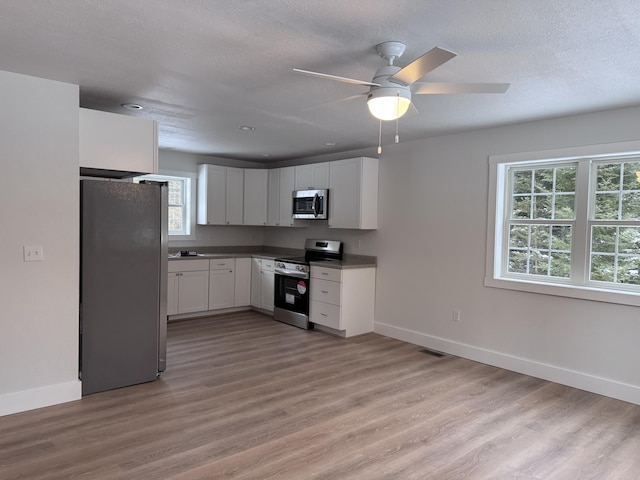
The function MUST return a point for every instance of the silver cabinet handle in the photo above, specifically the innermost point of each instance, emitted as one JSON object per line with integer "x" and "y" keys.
{"x": 323, "y": 314}
{"x": 323, "y": 291}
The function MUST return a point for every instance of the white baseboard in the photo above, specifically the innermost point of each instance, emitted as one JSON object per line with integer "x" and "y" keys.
{"x": 24, "y": 400}
{"x": 571, "y": 378}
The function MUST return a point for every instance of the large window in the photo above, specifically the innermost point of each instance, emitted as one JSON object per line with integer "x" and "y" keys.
{"x": 568, "y": 225}
{"x": 179, "y": 191}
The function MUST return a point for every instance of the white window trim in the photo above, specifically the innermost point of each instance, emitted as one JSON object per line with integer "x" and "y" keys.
{"x": 497, "y": 183}
{"x": 190, "y": 200}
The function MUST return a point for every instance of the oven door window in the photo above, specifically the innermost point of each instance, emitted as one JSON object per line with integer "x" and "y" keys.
{"x": 292, "y": 294}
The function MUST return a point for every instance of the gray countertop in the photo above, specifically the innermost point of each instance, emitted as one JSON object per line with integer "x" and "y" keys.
{"x": 348, "y": 260}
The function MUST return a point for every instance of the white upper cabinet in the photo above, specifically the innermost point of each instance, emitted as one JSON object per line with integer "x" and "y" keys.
{"x": 212, "y": 195}
{"x": 235, "y": 196}
{"x": 255, "y": 196}
{"x": 121, "y": 143}
{"x": 280, "y": 198}
{"x": 353, "y": 194}
{"x": 220, "y": 195}
{"x": 314, "y": 175}
{"x": 273, "y": 197}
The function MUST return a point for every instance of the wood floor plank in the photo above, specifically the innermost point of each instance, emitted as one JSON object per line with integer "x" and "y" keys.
{"x": 246, "y": 397}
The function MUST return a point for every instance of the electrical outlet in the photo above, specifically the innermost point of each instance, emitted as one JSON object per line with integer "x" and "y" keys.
{"x": 33, "y": 253}
{"x": 456, "y": 315}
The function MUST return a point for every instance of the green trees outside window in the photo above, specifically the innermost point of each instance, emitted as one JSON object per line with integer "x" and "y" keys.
{"x": 541, "y": 223}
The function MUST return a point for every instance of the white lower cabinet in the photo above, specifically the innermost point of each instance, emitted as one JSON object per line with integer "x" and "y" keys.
{"x": 343, "y": 299}
{"x": 262, "y": 283}
{"x": 242, "y": 287}
{"x": 188, "y": 286}
{"x": 221, "y": 283}
{"x": 200, "y": 285}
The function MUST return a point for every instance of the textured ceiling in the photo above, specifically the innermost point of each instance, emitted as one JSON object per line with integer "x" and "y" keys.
{"x": 203, "y": 68}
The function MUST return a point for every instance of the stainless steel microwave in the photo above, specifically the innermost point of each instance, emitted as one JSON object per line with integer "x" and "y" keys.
{"x": 310, "y": 204}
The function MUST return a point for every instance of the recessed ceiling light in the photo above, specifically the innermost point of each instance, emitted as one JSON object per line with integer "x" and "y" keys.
{"x": 131, "y": 106}
{"x": 246, "y": 128}
{"x": 266, "y": 154}
{"x": 330, "y": 144}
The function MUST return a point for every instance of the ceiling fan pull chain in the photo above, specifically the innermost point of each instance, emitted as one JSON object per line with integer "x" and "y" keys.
{"x": 397, "y": 139}
{"x": 380, "y": 138}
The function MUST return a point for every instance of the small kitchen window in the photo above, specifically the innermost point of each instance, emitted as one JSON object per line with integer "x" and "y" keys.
{"x": 179, "y": 208}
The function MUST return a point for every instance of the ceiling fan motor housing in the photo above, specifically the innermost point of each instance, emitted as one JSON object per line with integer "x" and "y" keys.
{"x": 394, "y": 96}
{"x": 387, "y": 88}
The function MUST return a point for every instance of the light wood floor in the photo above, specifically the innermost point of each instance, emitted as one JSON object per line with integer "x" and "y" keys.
{"x": 249, "y": 398}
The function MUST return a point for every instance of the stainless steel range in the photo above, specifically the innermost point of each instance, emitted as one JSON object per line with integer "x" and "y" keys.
{"x": 292, "y": 277}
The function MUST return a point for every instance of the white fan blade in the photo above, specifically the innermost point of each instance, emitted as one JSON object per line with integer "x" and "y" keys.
{"x": 422, "y": 65}
{"x": 446, "y": 88}
{"x": 335, "y": 77}
{"x": 336, "y": 102}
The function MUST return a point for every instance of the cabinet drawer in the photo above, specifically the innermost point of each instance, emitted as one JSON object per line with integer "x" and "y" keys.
{"x": 325, "y": 314}
{"x": 333, "y": 274}
{"x": 188, "y": 265}
{"x": 325, "y": 291}
{"x": 222, "y": 264}
{"x": 268, "y": 264}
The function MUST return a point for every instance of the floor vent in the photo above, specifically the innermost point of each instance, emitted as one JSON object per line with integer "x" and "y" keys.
{"x": 433, "y": 353}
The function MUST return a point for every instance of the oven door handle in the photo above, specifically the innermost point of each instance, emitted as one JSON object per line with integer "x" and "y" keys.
{"x": 290, "y": 273}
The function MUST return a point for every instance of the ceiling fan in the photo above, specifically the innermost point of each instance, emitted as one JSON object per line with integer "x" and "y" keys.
{"x": 389, "y": 95}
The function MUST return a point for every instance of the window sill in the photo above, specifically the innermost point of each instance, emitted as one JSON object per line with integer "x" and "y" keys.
{"x": 571, "y": 291}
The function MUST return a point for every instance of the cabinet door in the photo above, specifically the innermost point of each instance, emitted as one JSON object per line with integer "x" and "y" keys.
{"x": 267, "y": 284}
{"x": 273, "y": 197}
{"x": 221, "y": 283}
{"x": 117, "y": 142}
{"x": 303, "y": 177}
{"x": 255, "y": 196}
{"x": 287, "y": 186}
{"x": 193, "y": 291}
{"x": 242, "y": 287}
{"x": 325, "y": 314}
{"x": 321, "y": 175}
{"x": 256, "y": 277}
{"x": 314, "y": 175}
{"x": 235, "y": 196}
{"x": 212, "y": 195}
{"x": 344, "y": 195}
{"x": 353, "y": 198}
{"x": 172, "y": 293}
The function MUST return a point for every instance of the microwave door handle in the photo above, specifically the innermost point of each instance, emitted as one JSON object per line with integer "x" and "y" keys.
{"x": 316, "y": 204}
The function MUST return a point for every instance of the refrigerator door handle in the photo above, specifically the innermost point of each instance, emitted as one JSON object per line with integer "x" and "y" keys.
{"x": 164, "y": 274}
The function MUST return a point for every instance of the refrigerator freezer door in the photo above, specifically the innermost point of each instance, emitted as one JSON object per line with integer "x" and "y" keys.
{"x": 120, "y": 284}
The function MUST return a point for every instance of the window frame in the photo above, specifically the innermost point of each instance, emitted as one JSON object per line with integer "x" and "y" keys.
{"x": 188, "y": 179}
{"x": 578, "y": 285}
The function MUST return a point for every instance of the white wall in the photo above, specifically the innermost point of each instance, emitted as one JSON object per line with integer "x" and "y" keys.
{"x": 208, "y": 235}
{"x": 431, "y": 256}
{"x": 39, "y": 205}
{"x": 432, "y": 246}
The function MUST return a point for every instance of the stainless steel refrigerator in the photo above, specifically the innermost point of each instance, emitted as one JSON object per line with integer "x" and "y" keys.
{"x": 123, "y": 283}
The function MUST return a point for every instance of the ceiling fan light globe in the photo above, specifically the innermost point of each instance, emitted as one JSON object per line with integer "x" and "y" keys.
{"x": 389, "y": 107}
